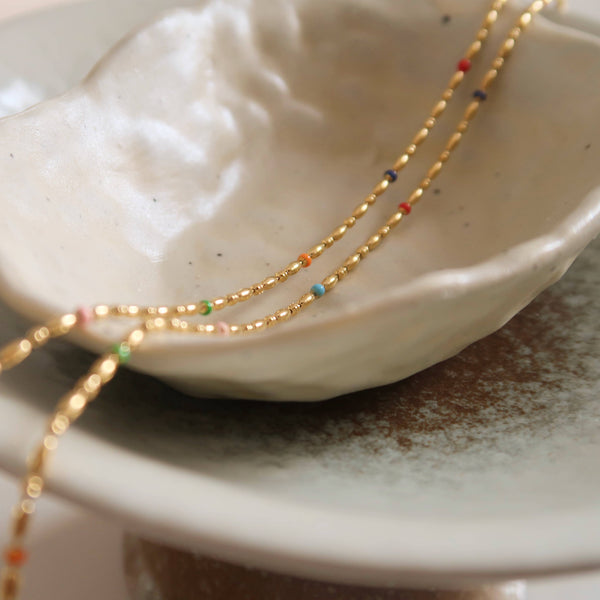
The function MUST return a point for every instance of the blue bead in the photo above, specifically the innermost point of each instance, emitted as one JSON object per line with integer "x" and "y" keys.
{"x": 393, "y": 175}
{"x": 480, "y": 94}
{"x": 318, "y": 290}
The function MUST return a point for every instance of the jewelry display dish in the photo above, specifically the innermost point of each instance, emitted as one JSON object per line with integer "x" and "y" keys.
{"x": 484, "y": 466}
{"x": 212, "y": 146}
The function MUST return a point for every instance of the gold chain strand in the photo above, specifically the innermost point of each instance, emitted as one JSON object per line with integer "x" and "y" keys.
{"x": 73, "y": 404}
{"x": 304, "y": 260}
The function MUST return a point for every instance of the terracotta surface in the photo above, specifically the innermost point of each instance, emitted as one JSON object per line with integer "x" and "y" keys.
{"x": 162, "y": 573}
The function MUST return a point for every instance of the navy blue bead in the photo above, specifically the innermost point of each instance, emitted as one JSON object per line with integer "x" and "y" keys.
{"x": 480, "y": 94}
{"x": 393, "y": 175}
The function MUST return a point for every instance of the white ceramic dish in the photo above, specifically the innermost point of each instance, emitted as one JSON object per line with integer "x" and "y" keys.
{"x": 506, "y": 488}
{"x": 130, "y": 190}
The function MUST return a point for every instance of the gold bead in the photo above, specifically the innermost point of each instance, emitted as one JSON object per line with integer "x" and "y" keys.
{"x": 488, "y": 78}
{"x": 363, "y": 250}
{"x": 283, "y": 315}
{"x": 473, "y": 49}
{"x": 234, "y": 329}
{"x": 482, "y": 34}
{"x": 270, "y": 320}
{"x": 34, "y": 486}
{"x": 515, "y": 33}
{"x": 294, "y": 308}
{"x": 490, "y": 18}
{"x": 150, "y": 311}
{"x": 456, "y": 79}
{"x": 350, "y": 222}
{"x": 339, "y": 232}
{"x": 444, "y": 156}
{"x": 133, "y": 310}
{"x": 536, "y": 6}
{"x": 135, "y": 338}
{"x": 525, "y": 19}
{"x": 219, "y": 303}
{"x": 373, "y": 241}
{"x": 462, "y": 126}
{"x": 450, "y": 146}
{"x": 259, "y": 324}
{"x": 401, "y": 162}
{"x": 328, "y": 242}
{"x": 497, "y": 62}
{"x": 232, "y": 299}
{"x": 381, "y": 187}
{"x": 191, "y": 309}
{"x": 62, "y": 325}
{"x": 471, "y": 110}
{"x": 421, "y": 136}
{"x": 394, "y": 219}
{"x": 15, "y": 353}
{"x": 341, "y": 272}
{"x": 59, "y": 424}
{"x": 411, "y": 149}
{"x": 370, "y": 199}
{"x": 415, "y": 196}
{"x": 447, "y": 94}
{"x": 384, "y": 231}
{"x": 352, "y": 261}
{"x": 439, "y": 108}
{"x": 330, "y": 282}
{"x": 306, "y": 299}
{"x": 257, "y": 289}
{"x": 435, "y": 169}
{"x": 38, "y": 336}
{"x": 247, "y": 327}
{"x": 430, "y": 122}
{"x": 507, "y": 47}
{"x": 269, "y": 282}
{"x": 425, "y": 183}
{"x": 105, "y": 367}
{"x": 92, "y": 384}
{"x": 101, "y": 311}
{"x": 282, "y": 275}
{"x": 316, "y": 251}
{"x": 294, "y": 267}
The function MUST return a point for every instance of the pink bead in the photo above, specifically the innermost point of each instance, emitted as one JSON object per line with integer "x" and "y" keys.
{"x": 84, "y": 315}
{"x": 222, "y": 328}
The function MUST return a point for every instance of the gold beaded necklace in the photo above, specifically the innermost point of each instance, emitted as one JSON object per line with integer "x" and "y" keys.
{"x": 172, "y": 318}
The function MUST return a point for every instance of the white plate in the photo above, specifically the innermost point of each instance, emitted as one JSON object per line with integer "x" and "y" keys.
{"x": 407, "y": 484}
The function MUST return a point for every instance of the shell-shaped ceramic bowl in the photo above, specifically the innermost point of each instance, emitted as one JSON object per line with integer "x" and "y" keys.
{"x": 211, "y": 147}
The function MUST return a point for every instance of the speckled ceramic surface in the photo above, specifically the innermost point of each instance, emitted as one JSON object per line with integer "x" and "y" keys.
{"x": 218, "y": 142}
{"x": 482, "y": 466}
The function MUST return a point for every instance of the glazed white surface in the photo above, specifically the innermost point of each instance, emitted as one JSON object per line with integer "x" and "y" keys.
{"x": 83, "y": 458}
{"x": 250, "y": 132}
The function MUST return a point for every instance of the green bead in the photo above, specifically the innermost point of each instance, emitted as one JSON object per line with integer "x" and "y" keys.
{"x": 123, "y": 351}
{"x": 206, "y": 307}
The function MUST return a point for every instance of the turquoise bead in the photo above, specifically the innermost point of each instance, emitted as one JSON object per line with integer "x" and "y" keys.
{"x": 318, "y": 290}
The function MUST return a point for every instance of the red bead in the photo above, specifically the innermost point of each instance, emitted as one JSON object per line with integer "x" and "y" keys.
{"x": 464, "y": 65}
{"x": 15, "y": 557}
{"x": 405, "y": 207}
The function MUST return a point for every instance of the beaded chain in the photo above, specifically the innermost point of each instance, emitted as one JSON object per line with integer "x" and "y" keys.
{"x": 161, "y": 318}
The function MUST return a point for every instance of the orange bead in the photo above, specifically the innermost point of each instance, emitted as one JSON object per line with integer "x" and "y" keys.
{"x": 305, "y": 259}
{"x": 15, "y": 557}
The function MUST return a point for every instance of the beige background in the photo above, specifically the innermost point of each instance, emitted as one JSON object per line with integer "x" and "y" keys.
{"x": 92, "y": 548}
